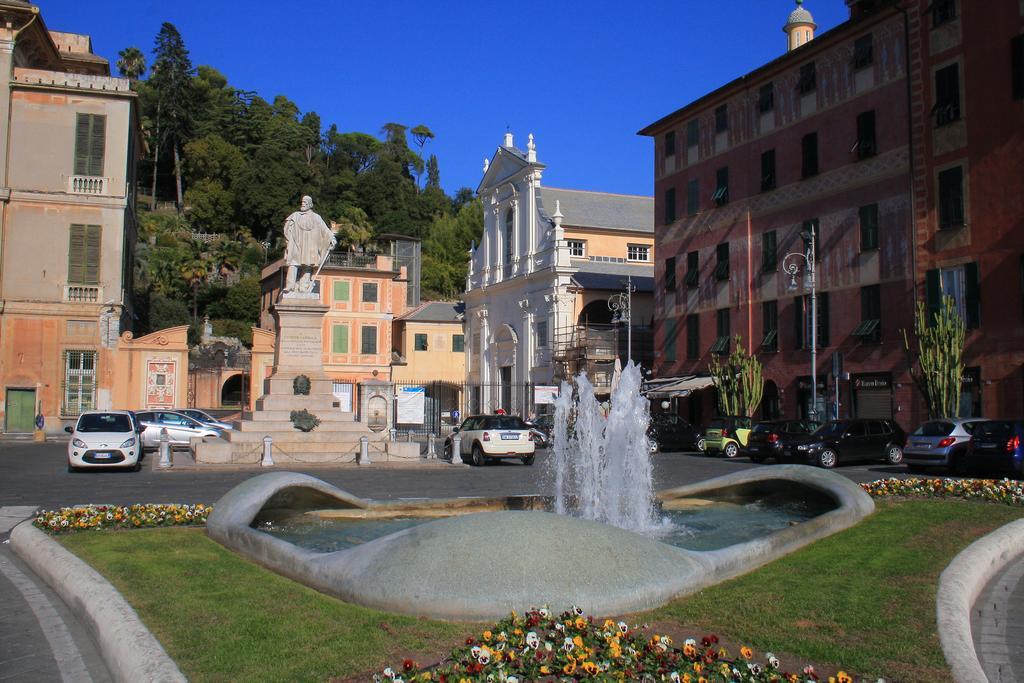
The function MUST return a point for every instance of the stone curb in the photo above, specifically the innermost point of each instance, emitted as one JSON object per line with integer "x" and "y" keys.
{"x": 129, "y": 650}
{"x": 959, "y": 587}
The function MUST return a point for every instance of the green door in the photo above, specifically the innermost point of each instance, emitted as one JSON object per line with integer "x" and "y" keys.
{"x": 21, "y": 410}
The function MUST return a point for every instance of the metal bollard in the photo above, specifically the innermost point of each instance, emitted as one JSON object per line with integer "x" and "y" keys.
{"x": 457, "y": 449}
{"x": 408, "y": 436}
{"x": 431, "y": 450}
{"x": 364, "y": 450}
{"x": 268, "y": 455}
{"x": 164, "y": 450}
{"x": 393, "y": 434}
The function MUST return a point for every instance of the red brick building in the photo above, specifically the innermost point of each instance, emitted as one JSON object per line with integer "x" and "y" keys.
{"x": 833, "y": 139}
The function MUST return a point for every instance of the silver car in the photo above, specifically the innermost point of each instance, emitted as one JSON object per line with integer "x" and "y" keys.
{"x": 180, "y": 428}
{"x": 940, "y": 443}
{"x": 204, "y": 417}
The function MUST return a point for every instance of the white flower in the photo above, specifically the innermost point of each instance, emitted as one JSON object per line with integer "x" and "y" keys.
{"x": 544, "y": 612}
{"x": 512, "y": 679}
{"x": 548, "y": 646}
{"x": 754, "y": 668}
{"x": 388, "y": 673}
{"x": 559, "y": 627}
{"x": 568, "y": 645}
{"x": 577, "y": 610}
{"x": 773, "y": 661}
{"x": 532, "y": 640}
{"x": 690, "y": 641}
{"x": 475, "y": 651}
{"x": 674, "y": 677}
{"x": 500, "y": 646}
{"x": 623, "y": 626}
{"x": 485, "y": 656}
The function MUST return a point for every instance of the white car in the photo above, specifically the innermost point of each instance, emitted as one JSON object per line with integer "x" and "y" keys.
{"x": 105, "y": 439}
{"x": 180, "y": 428}
{"x": 205, "y": 418}
{"x": 490, "y": 437}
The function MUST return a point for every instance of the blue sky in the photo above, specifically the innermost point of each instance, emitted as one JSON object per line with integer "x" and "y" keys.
{"x": 583, "y": 77}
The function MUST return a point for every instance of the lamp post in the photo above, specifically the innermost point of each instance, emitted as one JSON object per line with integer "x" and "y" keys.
{"x": 791, "y": 265}
{"x": 621, "y": 306}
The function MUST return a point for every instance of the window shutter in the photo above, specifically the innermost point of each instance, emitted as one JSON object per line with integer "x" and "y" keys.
{"x": 339, "y": 339}
{"x": 823, "y": 320}
{"x": 341, "y": 290}
{"x": 670, "y": 205}
{"x": 97, "y": 143}
{"x": 76, "y": 254}
{"x": 692, "y": 335}
{"x": 798, "y": 322}
{"x": 1017, "y": 48}
{"x": 972, "y": 296}
{"x": 82, "y": 138}
{"x": 93, "y": 251}
{"x": 932, "y": 295}
{"x": 671, "y": 334}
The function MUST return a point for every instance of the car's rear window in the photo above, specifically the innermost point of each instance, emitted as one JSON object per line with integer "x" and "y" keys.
{"x": 718, "y": 424}
{"x": 995, "y": 429}
{"x": 765, "y": 427}
{"x": 504, "y": 422}
{"x": 969, "y": 426}
{"x": 935, "y": 428}
{"x": 104, "y": 422}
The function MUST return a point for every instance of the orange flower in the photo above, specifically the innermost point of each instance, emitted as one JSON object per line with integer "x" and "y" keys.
{"x": 570, "y": 668}
{"x": 843, "y": 677}
{"x": 487, "y": 635}
{"x": 590, "y": 668}
{"x": 746, "y": 652}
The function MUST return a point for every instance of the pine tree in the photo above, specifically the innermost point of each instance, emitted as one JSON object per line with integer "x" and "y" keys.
{"x": 172, "y": 80}
{"x": 433, "y": 172}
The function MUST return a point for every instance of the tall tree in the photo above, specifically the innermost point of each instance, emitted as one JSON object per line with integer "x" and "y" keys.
{"x": 131, "y": 63}
{"x": 194, "y": 269}
{"x": 420, "y": 135}
{"x": 172, "y": 80}
{"x": 433, "y": 172}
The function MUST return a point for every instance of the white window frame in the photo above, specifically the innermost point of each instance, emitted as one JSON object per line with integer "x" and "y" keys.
{"x": 79, "y": 382}
{"x": 577, "y": 248}
{"x": 634, "y": 252}
{"x": 541, "y": 331}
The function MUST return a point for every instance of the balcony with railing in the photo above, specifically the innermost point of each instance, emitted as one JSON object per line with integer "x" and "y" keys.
{"x": 86, "y": 294}
{"x": 87, "y": 184}
{"x": 347, "y": 259}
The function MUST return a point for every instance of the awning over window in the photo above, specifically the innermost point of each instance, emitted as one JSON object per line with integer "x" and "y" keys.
{"x": 677, "y": 387}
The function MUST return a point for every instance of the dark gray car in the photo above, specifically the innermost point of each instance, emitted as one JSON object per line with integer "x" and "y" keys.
{"x": 940, "y": 443}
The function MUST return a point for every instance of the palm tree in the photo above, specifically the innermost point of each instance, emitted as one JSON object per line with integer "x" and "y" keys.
{"x": 226, "y": 253}
{"x": 132, "y": 63}
{"x": 195, "y": 267}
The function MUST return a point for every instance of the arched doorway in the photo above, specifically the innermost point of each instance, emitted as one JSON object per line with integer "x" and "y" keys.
{"x": 770, "y": 408}
{"x": 595, "y": 313}
{"x": 231, "y": 391}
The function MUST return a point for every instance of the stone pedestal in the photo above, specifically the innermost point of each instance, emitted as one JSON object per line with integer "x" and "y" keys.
{"x": 298, "y": 351}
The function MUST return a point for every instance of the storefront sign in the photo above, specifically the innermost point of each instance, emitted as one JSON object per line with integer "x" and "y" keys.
{"x": 544, "y": 394}
{"x": 872, "y": 382}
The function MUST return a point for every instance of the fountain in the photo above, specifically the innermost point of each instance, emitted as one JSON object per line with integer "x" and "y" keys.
{"x": 612, "y": 546}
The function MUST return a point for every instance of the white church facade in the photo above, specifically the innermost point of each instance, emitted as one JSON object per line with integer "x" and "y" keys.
{"x": 539, "y": 282}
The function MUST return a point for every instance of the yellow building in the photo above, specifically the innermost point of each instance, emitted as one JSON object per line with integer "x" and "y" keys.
{"x": 429, "y": 344}
{"x": 68, "y": 153}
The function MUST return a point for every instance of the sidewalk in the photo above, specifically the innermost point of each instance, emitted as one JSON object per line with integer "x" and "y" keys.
{"x": 40, "y": 640}
{"x": 997, "y": 623}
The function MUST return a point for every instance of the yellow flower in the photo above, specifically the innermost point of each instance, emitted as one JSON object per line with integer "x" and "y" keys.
{"x": 487, "y": 635}
{"x": 590, "y": 668}
{"x": 609, "y": 624}
{"x": 570, "y": 668}
{"x": 689, "y": 650}
{"x": 545, "y": 670}
{"x": 577, "y": 641}
{"x": 843, "y": 677}
{"x": 746, "y": 652}
{"x": 698, "y": 667}
{"x": 580, "y": 623}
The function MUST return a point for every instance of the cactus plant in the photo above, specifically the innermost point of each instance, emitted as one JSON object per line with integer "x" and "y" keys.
{"x": 938, "y": 366}
{"x": 739, "y": 381}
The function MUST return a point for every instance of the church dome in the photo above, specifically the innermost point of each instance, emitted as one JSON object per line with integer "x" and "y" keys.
{"x": 799, "y": 15}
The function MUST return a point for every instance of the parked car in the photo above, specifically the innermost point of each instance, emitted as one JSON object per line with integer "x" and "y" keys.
{"x": 104, "y": 439}
{"x": 768, "y": 438}
{"x": 848, "y": 440}
{"x": 542, "y": 428}
{"x": 205, "y": 418}
{"x": 669, "y": 432}
{"x": 180, "y": 428}
{"x": 940, "y": 443}
{"x": 727, "y": 435}
{"x": 490, "y": 437}
{"x": 998, "y": 444}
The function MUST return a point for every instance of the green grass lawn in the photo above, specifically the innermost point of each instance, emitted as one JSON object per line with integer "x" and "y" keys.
{"x": 863, "y": 599}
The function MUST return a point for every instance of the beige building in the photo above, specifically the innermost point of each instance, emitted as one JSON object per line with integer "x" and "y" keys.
{"x": 429, "y": 344}
{"x": 68, "y": 151}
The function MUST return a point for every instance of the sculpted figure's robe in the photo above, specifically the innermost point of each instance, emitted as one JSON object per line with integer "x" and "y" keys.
{"x": 308, "y": 239}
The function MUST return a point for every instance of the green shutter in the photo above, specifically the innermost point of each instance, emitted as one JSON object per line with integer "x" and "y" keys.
{"x": 671, "y": 334}
{"x": 458, "y": 343}
{"x": 972, "y": 296}
{"x": 823, "y": 321}
{"x": 76, "y": 254}
{"x": 339, "y": 338}
{"x": 90, "y": 144}
{"x": 93, "y": 252}
{"x": 932, "y": 295}
{"x": 341, "y": 290}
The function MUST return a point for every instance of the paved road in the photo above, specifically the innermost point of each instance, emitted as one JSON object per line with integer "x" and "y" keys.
{"x": 41, "y": 641}
{"x": 35, "y": 475}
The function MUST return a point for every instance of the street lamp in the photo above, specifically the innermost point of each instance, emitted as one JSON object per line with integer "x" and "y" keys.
{"x": 791, "y": 265}
{"x": 621, "y": 305}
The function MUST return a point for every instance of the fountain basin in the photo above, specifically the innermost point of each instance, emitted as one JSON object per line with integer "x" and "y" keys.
{"x": 474, "y": 564}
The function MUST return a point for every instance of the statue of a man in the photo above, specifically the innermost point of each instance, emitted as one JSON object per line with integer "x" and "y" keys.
{"x": 308, "y": 242}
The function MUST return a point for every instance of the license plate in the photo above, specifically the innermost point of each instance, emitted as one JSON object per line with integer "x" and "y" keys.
{"x": 754, "y": 449}
{"x": 103, "y": 456}
{"x": 510, "y": 437}
{"x": 922, "y": 444}
{"x": 987, "y": 446}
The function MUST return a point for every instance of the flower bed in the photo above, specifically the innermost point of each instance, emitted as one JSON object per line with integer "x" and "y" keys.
{"x": 571, "y": 647}
{"x": 1005, "y": 491}
{"x": 66, "y": 520}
